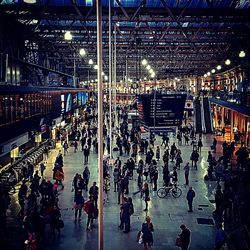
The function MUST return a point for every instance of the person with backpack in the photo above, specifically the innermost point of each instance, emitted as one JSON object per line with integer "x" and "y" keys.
{"x": 78, "y": 204}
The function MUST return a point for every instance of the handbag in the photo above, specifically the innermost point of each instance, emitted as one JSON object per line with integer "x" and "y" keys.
{"x": 139, "y": 238}
{"x": 178, "y": 242}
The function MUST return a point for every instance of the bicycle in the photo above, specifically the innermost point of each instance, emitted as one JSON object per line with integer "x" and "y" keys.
{"x": 174, "y": 190}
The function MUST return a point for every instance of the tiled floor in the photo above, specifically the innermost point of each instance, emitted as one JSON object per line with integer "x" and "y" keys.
{"x": 167, "y": 214}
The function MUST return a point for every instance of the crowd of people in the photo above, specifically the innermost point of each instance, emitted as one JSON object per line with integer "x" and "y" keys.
{"x": 144, "y": 162}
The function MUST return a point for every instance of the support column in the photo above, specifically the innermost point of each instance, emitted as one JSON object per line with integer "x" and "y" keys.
{"x": 100, "y": 122}
{"x": 110, "y": 79}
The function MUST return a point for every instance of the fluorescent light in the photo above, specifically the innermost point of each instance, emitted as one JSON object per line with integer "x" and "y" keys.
{"x": 90, "y": 62}
{"x": 208, "y": 73}
{"x": 106, "y": 78}
{"x": 96, "y": 67}
{"x": 144, "y": 62}
{"x": 148, "y": 67}
{"x": 205, "y": 75}
{"x": 29, "y": 1}
{"x": 151, "y": 71}
{"x": 213, "y": 71}
{"x": 67, "y": 36}
{"x": 242, "y": 54}
{"x": 82, "y": 52}
{"x": 227, "y": 62}
{"x": 218, "y": 67}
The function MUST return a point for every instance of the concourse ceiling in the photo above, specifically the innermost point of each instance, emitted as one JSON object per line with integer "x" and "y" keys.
{"x": 179, "y": 38}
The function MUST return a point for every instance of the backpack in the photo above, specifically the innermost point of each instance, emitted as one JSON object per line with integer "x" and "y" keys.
{"x": 131, "y": 209}
{"x": 86, "y": 206}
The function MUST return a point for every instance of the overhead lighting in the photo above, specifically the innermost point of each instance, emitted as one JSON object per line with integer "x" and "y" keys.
{"x": 103, "y": 74}
{"x": 148, "y": 67}
{"x": 213, "y": 71}
{"x": 145, "y": 78}
{"x": 29, "y": 1}
{"x": 90, "y": 62}
{"x": 205, "y": 75}
{"x": 218, "y": 67}
{"x": 106, "y": 78}
{"x": 153, "y": 75}
{"x": 208, "y": 73}
{"x": 242, "y": 54}
{"x": 175, "y": 78}
{"x": 227, "y": 62}
{"x": 67, "y": 36}
{"x": 144, "y": 62}
{"x": 96, "y": 67}
{"x": 82, "y": 52}
{"x": 151, "y": 71}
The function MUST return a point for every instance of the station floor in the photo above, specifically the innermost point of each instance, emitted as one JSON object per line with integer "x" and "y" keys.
{"x": 167, "y": 214}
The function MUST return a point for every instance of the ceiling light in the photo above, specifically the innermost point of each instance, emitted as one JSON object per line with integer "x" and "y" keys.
{"x": 153, "y": 75}
{"x": 67, "y": 36}
{"x": 208, "y": 73}
{"x": 242, "y": 54}
{"x": 213, "y": 71}
{"x": 227, "y": 62}
{"x": 96, "y": 67}
{"x": 145, "y": 78}
{"x": 144, "y": 62}
{"x": 29, "y": 1}
{"x": 205, "y": 75}
{"x": 151, "y": 71}
{"x": 91, "y": 61}
{"x": 106, "y": 78}
{"x": 218, "y": 67}
{"x": 82, "y": 52}
{"x": 103, "y": 74}
{"x": 148, "y": 67}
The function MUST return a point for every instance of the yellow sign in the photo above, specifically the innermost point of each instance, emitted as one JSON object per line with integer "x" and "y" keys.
{"x": 14, "y": 153}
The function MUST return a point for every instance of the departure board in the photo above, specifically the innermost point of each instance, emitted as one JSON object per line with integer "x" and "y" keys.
{"x": 161, "y": 110}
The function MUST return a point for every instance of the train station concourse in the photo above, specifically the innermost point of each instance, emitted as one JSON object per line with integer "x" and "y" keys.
{"x": 124, "y": 124}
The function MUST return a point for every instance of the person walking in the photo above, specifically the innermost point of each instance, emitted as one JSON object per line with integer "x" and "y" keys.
{"x": 184, "y": 237}
{"x": 93, "y": 191}
{"x": 78, "y": 204}
{"x": 157, "y": 153}
{"x": 200, "y": 145}
{"x": 220, "y": 238}
{"x": 186, "y": 172}
{"x": 86, "y": 154}
{"x": 147, "y": 233}
{"x": 190, "y": 198}
{"x": 194, "y": 158}
{"x": 145, "y": 192}
{"x": 42, "y": 168}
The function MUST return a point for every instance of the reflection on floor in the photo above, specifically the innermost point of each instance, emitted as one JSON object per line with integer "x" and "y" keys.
{"x": 167, "y": 214}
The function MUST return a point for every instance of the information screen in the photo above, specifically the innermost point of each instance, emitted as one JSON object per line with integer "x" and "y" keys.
{"x": 161, "y": 110}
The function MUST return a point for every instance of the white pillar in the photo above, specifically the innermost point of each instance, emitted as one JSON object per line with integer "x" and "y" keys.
{"x": 100, "y": 122}
{"x": 110, "y": 79}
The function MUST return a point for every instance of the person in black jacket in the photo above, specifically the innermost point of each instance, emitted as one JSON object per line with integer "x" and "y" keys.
{"x": 190, "y": 198}
{"x": 93, "y": 191}
{"x": 185, "y": 237}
